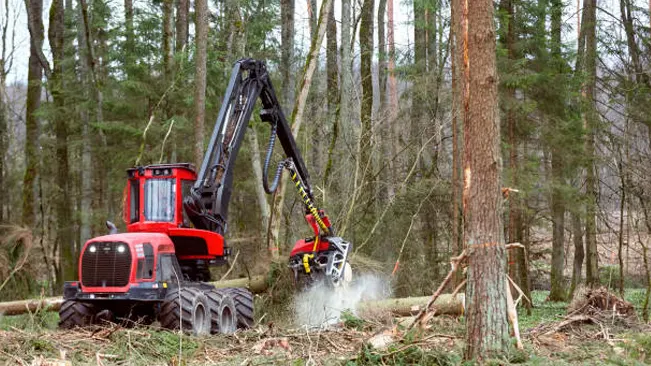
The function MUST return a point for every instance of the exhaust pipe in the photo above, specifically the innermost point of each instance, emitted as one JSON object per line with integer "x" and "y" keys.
{"x": 111, "y": 227}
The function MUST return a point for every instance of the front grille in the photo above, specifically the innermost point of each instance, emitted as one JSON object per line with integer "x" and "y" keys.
{"x": 103, "y": 265}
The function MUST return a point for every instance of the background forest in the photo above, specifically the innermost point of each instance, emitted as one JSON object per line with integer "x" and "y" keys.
{"x": 110, "y": 85}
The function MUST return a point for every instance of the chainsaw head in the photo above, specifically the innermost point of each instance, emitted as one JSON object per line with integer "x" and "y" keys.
{"x": 328, "y": 263}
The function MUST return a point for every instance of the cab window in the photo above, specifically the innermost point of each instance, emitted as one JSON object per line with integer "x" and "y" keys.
{"x": 134, "y": 200}
{"x": 160, "y": 195}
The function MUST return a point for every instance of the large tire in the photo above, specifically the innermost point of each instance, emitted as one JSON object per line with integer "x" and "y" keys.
{"x": 187, "y": 307}
{"x": 223, "y": 312}
{"x": 76, "y": 314}
{"x": 243, "y": 300}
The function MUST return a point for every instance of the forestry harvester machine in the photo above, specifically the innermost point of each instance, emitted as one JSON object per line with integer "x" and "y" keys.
{"x": 176, "y": 221}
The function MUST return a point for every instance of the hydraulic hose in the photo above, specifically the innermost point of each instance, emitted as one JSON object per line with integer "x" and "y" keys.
{"x": 267, "y": 162}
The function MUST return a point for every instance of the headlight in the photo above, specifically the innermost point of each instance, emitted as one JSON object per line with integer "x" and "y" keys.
{"x": 121, "y": 249}
{"x": 92, "y": 249}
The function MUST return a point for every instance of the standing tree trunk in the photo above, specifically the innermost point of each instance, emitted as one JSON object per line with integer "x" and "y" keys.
{"x": 333, "y": 90}
{"x": 3, "y": 135}
{"x": 591, "y": 121}
{"x": 346, "y": 69}
{"x": 419, "y": 92}
{"x": 392, "y": 102}
{"x": 367, "y": 185}
{"x": 456, "y": 41}
{"x": 382, "y": 56}
{"x": 557, "y": 292}
{"x": 33, "y": 102}
{"x": 168, "y": 39}
{"x": 182, "y": 9}
{"x": 201, "y": 25}
{"x": 86, "y": 150}
{"x": 64, "y": 218}
{"x": 287, "y": 52}
{"x": 577, "y": 239}
{"x": 486, "y": 324}
{"x": 130, "y": 42}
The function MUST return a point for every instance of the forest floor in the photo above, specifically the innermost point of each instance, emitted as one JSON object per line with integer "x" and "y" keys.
{"x": 34, "y": 340}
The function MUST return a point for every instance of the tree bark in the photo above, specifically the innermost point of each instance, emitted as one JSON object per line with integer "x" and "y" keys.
{"x": 577, "y": 239}
{"x": 382, "y": 56}
{"x": 486, "y": 324}
{"x": 287, "y": 53}
{"x": 366, "y": 147}
{"x": 591, "y": 121}
{"x": 3, "y": 136}
{"x": 445, "y": 304}
{"x": 64, "y": 222}
{"x": 456, "y": 40}
{"x": 168, "y": 39}
{"x": 182, "y": 10}
{"x": 86, "y": 150}
{"x": 346, "y": 70}
{"x": 33, "y": 102}
{"x": 333, "y": 90}
{"x": 557, "y": 292}
{"x": 201, "y": 26}
{"x": 419, "y": 92}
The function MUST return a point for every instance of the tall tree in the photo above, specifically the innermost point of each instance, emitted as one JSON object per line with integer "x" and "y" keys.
{"x": 366, "y": 133}
{"x": 6, "y": 61}
{"x": 86, "y": 150}
{"x": 419, "y": 92}
{"x": 64, "y": 223}
{"x": 287, "y": 52}
{"x": 456, "y": 41}
{"x": 201, "y": 25}
{"x": 557, "y": 292}
{"x": 34, "y": 76}
{"x": 591, "y": 118}
{"x": 577, "y": 240}
{"x": 346, "y": 67}
{"x": 486, "y": 322}
{"x": 168, "y": 39}
{"x": 182, "y": 9}
{"x": 332, "y": 77}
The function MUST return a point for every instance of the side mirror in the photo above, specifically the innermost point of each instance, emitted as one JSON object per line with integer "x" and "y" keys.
{"x": 111, "y": 227}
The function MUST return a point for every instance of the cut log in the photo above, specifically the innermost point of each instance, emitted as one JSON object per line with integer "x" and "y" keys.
{"x": 255, "y": 284}
{"x": 408, "y": 306}
{"x": 30, "y": 306}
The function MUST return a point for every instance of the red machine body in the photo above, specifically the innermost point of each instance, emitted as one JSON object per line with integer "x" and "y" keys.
{"x": 125, "y": 254}
{"x": 154, "y": 204}
{"x": 303, "y": 246}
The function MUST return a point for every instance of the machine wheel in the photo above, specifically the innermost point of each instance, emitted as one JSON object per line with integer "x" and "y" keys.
{"x": 243, "y": 299}
{"x": 188, "y": 307}
{"x": 223, "y": 312}
{"x": 76, "y": 314}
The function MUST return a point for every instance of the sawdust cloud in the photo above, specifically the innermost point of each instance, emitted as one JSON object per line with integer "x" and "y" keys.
{"x": 321, "y": 305}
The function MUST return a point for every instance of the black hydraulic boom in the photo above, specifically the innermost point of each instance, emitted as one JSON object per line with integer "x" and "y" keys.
{"x": 207, "y": 205}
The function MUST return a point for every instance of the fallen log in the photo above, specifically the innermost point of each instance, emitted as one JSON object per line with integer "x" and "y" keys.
{"x": 408, "y": 306}
{"x": 30, "y": 306}
{"x": 255, "y": 284}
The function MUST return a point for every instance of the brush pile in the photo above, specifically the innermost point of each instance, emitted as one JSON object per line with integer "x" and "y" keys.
{"x": 592, "y": 314}
{"x": 603, "y": 305}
